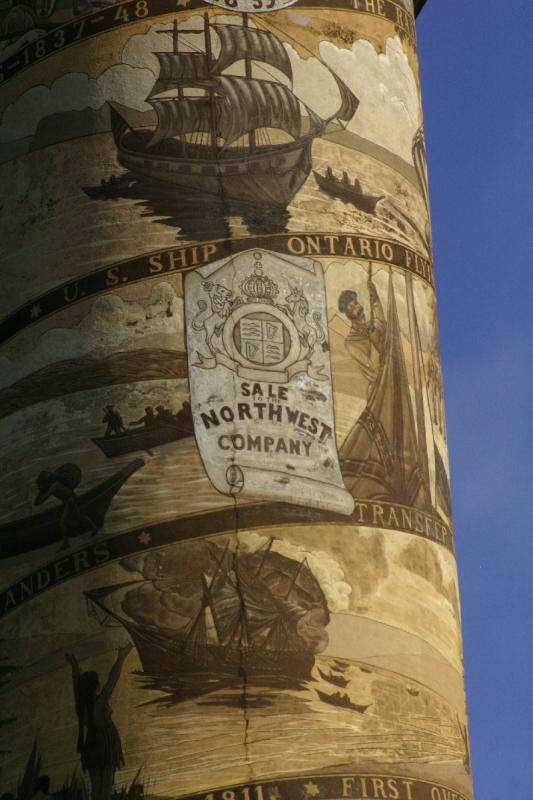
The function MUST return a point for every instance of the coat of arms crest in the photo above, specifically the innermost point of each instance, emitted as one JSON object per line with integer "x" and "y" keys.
{"x": 260, "y": 379}
{"x": 257, "y": 332}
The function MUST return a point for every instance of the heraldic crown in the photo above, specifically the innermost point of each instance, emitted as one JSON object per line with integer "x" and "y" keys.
{"x": 257, "y": 287}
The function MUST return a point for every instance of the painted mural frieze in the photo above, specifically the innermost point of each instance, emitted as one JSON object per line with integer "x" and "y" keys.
{"x": 325, "y": 370}
{"x": 308, "y": 171}
{"x": 226, "y": 545}
{"x": 31, "y": 33}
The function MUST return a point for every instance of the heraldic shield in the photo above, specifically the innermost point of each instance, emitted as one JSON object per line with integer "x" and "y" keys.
{"x": 260, "y": 379}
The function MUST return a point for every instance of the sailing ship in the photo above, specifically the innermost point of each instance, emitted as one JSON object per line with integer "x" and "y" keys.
{"x": 247, "y": 621}
{"x": 39, "y": 530}
{"x": 384, "y": 455}
{"x": 346, "y": 190}
{"x": 242, "y": 138}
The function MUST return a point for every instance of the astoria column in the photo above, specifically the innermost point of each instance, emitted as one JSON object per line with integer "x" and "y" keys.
{"x": 227, "y": 562}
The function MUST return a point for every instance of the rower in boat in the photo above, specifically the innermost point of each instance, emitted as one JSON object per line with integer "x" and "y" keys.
{"x": 165, "y": 416}
{"x": 184, "y": 415}
{"x": 152, "y": 430}
{"x": 114, "y": 421}
{"x": 347, "y": 190}
{"x": 149, "y": 421}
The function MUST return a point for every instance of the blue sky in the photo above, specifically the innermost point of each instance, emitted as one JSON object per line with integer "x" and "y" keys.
{"x": 476, "y": 70}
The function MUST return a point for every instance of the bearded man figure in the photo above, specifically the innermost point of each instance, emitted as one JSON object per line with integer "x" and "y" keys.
{"x": 364, "y": 343}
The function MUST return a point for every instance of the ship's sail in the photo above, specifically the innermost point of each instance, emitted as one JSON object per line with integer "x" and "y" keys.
{"x": 196, "y": 645}
{"x": 180, "y": 69}
{"x": 226, "y": 606}
{"x": 316, "y": 123}
{"x": 270, "y": 621}
{"x": 251, "y": 103}
{"x": 242, "y": 104}
{"x": 241, "y": 603}
{"x": 420, "y": 162}
{"x": 349, "y": 102}
{"x": 239, "y": 43}
{"x": 234, "y": 105}
{"x": 380, "y": 458}
{"x": 442, "y": 484}
{"x": 177, "y": 116}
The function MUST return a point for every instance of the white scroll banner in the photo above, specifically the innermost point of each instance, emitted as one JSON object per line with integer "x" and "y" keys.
{"x": 260, "y": 380}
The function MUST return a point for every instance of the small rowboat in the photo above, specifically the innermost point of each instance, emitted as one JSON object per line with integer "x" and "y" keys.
{"x": 40, "y": 530}
{"x": 348, "y": 192}
{"x": 132, "y": 441}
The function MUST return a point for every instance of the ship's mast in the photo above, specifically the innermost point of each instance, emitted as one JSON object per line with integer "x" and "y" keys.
{"x": 417, "y": 372}
{"x": 210, "y": 90}
{"x": 206, "y": 593}
{"x": 266, "y": 551}
{"x": 175, "y": 50}
{"x": 295, "y": 578}
{"x": 248, "y": 73}
{"x": 240, "y": 625}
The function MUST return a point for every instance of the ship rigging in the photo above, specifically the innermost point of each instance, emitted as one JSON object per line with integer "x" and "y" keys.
{"x": 248, "y": 617}
{"x": 226, "y": 135}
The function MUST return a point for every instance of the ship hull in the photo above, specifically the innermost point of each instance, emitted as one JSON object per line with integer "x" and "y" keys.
{"x": 270, "y": 176}
{"x": 166, "y": 656}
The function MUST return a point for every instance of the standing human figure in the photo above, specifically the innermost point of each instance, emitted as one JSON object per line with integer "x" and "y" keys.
{"x": 99, "y": 742}
{"x": 365, "y": 340}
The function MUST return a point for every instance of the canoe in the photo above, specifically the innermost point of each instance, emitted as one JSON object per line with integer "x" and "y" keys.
{"x": 40, "y": 530}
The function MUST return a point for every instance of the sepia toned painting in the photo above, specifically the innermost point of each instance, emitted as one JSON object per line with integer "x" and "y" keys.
{"x": 226, "y": 542}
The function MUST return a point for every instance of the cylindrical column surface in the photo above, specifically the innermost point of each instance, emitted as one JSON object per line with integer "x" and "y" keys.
{"x": 227, "y": 557}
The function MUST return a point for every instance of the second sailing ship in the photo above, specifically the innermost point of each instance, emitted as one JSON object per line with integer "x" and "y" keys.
{"x": 258, "y": 612}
